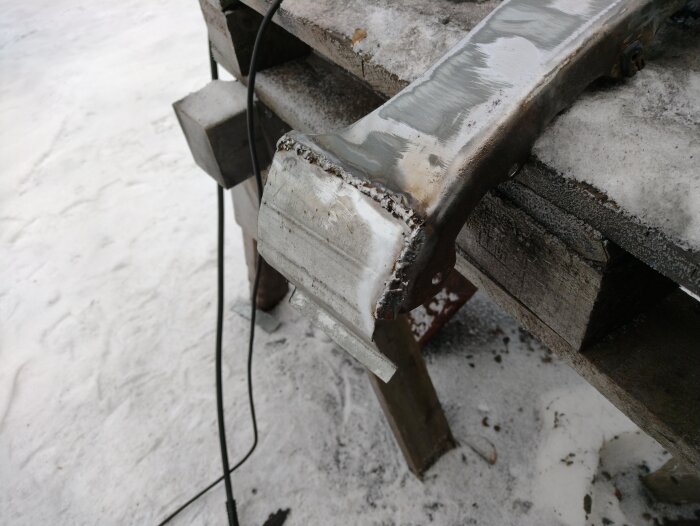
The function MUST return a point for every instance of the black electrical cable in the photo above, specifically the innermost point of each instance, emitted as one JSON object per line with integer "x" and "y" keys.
{"x": 251, "y": 93}
{"x": 223, "y": 446}
{"x": 230, "y": 506}
{"x": 230, "y": 500}
{"x": 252, "y": 413}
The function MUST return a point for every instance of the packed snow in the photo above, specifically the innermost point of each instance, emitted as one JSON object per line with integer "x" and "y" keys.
{"x": 107, "y": 298}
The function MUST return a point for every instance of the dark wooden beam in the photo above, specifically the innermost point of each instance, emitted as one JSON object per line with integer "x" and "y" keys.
{"x": 409, "y": 400}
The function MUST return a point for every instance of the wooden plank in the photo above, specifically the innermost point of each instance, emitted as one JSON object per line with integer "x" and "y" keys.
{"x": 409, "y": 400}
{"x": 232, "y": 28}
{"x": 272, "y": 287}
{"x": 401, "y": 38}
{"x": 577, "y": 298}
{"x": 219, "y": 34}
{"x": 509, "y": 303}
{"x": 579, "y": 236}
{"x": 314, "y": 96}
{"x": 650, "y": 369}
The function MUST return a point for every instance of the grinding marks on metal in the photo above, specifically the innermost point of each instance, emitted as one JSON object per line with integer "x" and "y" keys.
{"x": 213, "y": 120}
{"x": 364, "y": 221}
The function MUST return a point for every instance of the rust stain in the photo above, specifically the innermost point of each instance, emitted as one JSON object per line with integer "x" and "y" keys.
{"x": 359, "y": 35}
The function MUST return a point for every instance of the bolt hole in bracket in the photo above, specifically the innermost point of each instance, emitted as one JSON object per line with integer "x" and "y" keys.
{"x": 362, "y": 221}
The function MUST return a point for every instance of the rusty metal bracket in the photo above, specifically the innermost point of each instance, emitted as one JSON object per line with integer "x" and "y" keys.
{"x": 363, "y": 221}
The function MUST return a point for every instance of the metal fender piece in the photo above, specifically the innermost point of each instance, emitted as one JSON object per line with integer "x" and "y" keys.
{"x": 363, "y": 221}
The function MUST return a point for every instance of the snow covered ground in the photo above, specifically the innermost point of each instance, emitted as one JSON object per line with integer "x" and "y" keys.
{"x": 107, "y": 276}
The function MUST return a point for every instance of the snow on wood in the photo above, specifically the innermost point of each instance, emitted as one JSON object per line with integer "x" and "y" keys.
{"x": 637, "y": 144}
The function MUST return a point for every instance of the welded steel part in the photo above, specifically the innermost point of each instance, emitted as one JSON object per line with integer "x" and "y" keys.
{"x": 363, "y": 221}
